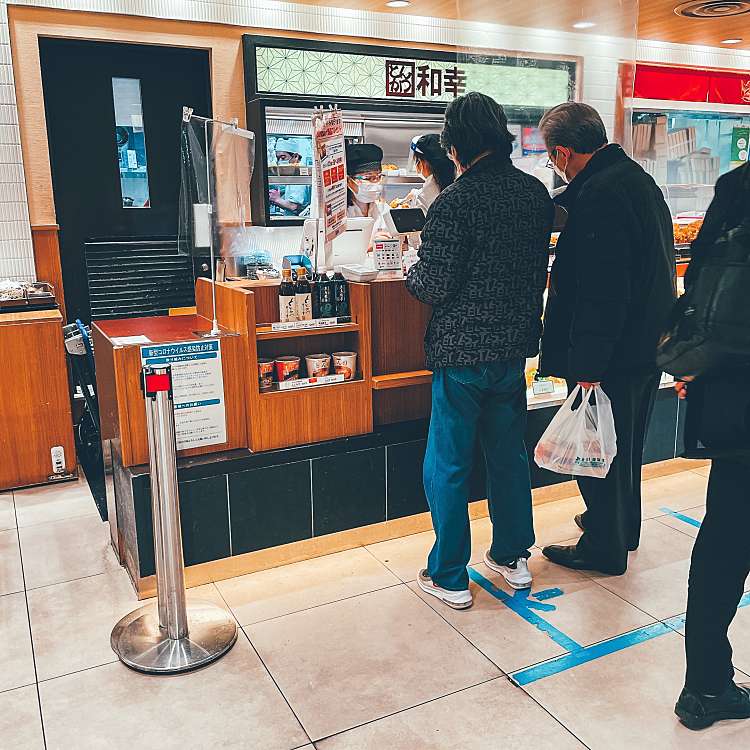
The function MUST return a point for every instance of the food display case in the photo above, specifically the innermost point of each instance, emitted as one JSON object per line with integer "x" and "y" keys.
{"x": 387, "y": 97}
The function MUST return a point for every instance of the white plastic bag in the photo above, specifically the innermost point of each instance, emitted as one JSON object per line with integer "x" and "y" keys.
{"x": 581, "y": 441}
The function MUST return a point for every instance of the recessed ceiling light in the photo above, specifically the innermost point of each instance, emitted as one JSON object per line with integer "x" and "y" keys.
{"x": 731, "y": 41}
{"x": 584, "y": 25}
{"x": 399, "y": 3}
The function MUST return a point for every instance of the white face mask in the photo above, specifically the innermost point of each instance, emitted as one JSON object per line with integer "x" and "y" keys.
{"x": 368, "y": 192}
{"x": 561, "y": 172}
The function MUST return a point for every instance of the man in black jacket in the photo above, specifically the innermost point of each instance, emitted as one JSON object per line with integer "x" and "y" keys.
{"x": 483, "y": 268}
{"x": 611, "y": 292}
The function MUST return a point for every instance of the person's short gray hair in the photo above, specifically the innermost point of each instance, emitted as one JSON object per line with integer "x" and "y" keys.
{"x": 575, "y": 125}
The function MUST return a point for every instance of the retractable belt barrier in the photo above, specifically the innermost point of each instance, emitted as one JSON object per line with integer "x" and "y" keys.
{"x": 170, "y": 635}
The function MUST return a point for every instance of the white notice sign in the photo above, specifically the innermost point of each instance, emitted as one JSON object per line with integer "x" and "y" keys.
{"x": 198, "y": 385}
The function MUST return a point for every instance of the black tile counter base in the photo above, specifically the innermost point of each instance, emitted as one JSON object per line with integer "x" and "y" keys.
{"x": 237, "y": 502}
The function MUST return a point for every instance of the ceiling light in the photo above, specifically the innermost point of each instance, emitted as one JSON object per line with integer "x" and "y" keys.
{"x": 731, "y": 41}
{"x": 584, "y": 25}
{"x": 399, "y": 3}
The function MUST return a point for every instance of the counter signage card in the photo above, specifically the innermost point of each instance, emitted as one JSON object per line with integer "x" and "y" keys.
{"x": 330, "y": 162}
{"x": 291, "y": 385}
{"x": 298, "y": 325}
{"x": 198, "y": 384}
{"x": 740, "y": 149}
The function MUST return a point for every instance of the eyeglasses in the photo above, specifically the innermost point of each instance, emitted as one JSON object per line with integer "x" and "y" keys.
{"x": 371, "y": 177}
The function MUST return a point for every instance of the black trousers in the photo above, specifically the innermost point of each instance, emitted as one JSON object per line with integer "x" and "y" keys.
{"x": 719, "y": 567}
{"x": 613, "y": 505}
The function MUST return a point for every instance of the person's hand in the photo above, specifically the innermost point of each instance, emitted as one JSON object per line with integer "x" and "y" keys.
{"x": 274, "y": 195}
{"x": 681, "y": 388}
{"x": 585, "y": 385}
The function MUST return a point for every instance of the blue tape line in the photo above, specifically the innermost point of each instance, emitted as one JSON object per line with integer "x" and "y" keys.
{"x": 590, "y": 653}
{"x": 681, "y": 517}
{"x": 523, "y": 606}
{"x": 542, "y": 596}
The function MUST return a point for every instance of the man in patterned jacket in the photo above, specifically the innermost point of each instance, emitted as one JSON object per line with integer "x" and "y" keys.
{"x": 483, "y": 269}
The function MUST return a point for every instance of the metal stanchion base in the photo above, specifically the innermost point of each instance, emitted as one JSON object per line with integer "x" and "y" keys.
{"x": 141, "y": 644}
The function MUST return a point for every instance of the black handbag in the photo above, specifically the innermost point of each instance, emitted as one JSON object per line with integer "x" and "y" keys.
{"x": 710, "y": 328}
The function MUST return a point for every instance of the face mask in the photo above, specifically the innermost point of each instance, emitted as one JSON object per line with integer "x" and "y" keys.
{"x": 368, "y": 192}
{"x": 560, "y": 172}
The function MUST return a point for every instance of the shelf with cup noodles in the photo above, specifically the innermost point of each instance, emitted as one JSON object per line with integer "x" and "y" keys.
{"x": 300, "y": 412}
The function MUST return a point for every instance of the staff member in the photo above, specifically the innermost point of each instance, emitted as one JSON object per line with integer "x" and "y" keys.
{"x": 432, "y": 163}
{"x": 364, "y": 166}
{"x": 295, "y": 198}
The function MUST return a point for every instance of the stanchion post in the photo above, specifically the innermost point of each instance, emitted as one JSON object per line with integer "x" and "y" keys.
{"x": 169, "y": 636}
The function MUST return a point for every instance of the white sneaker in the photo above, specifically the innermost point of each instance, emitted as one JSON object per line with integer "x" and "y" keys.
{"x": 455, "y": 599}
{"x": 516, "y": 575}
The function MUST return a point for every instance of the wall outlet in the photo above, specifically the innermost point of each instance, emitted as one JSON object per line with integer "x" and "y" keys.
{"x": 58, "y": 459}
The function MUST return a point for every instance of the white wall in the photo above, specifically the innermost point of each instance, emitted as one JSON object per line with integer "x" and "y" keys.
{"x": 601, "y": 56}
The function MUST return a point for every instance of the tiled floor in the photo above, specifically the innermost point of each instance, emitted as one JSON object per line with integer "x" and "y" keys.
{"x": 345, "y": 652}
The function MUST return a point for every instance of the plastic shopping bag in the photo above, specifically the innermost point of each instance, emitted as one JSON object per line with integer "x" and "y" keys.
{"x": 581, "y": 441}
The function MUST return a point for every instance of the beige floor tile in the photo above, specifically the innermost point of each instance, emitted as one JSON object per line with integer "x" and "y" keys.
{"x": 676, "y": 491}
{"x": 66, "y": 550}
{"x": 281, "y": 591}
{"x": 683, "y": 526}
{"x": 406, "y": 556}
{"x": 487, "y": 717}
{"x": 512, "y": 642}
{"x": 16, "y": 659}
{"x": 7, "y": 512}
{"x": 230, "y": 704}
{"x": 553, "y": 522}
{"x": 656, "y": 580}
{"x": 625, "y": 701}
{"x": 357, "y": 660}
{"x": 83, "y": 612}
{"x": 20, "y": 719}
{"x": 11, "y": 575}
{"x": 54, "y": 503}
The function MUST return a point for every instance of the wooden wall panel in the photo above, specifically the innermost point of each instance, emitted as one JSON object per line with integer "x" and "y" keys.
{"x": 35, "y": 413}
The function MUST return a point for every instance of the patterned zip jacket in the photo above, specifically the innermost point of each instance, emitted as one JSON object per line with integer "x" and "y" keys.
{"x": 483, "y": 266}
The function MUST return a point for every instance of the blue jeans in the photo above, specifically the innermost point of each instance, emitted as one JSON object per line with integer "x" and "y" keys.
{"x": 485, "y": 403}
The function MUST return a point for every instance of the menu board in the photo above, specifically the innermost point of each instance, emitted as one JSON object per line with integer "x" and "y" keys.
{"x": 198, "y": 390}
{"x": 330, "y": 162}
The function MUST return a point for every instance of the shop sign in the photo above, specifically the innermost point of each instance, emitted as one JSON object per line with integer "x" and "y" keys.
{"x": 403, "y": 79}
{"x": 198, "y": 390}
{"x": 330, "y": 162}
{"x": 691, "y": 85}
{"x": 519, "y": 82}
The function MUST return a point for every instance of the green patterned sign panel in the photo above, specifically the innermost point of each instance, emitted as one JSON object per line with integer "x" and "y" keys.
{"x": 338, "y": 74}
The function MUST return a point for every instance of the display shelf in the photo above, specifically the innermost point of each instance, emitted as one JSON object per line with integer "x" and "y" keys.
{"x": 401, "y": 380}
{"x": 265, "y": 333}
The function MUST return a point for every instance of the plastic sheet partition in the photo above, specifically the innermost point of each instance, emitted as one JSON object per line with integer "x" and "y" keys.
{"x": 215, "y": 191}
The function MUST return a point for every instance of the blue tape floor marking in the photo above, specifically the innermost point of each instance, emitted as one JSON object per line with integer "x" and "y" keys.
{"x": 598, "y": 650}
{"x": 523, "y": 606}
{"x": 681, "y": 517}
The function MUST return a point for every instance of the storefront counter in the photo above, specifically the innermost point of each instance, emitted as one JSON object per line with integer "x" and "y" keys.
{"x": 322, "y": 469}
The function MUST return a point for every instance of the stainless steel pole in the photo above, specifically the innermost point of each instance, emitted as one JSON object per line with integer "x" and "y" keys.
{"x": 169, "y": 636}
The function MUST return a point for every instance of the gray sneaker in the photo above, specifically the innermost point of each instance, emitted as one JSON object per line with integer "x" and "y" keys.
{"x": 516, "y": 574}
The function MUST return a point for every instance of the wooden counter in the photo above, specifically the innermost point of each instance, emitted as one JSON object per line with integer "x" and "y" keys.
{"x": 35, "y": 413}
{"x": 118, "y": 367}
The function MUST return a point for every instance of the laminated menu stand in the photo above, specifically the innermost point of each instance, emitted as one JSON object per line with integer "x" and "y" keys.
{"x": 169, "y": 636}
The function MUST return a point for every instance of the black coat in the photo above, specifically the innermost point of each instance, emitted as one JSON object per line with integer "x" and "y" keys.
{"x": 483, "y": 266}
{"x": 718, "y": 414}
{"x": 612, "y": 285}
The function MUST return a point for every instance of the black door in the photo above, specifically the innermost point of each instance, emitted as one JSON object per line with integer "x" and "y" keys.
{"x": 113, "y": 120}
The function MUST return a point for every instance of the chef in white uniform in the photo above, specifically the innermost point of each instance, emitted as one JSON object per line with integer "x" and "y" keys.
{"x": 364, "y": 167}
{"x": 429, "y": 159}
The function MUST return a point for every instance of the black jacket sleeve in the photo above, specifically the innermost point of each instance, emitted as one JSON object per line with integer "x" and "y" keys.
{"x": 443, "y": 261}
{"x": 604, "y": 260}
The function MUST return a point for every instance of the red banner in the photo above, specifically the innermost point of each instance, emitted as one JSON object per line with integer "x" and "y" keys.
{"x": 691, "y": 85}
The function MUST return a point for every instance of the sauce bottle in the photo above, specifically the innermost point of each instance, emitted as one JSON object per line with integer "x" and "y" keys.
{"x": 303, "y": 296}
{"x": 341, "y": 294}
{"x": 287, "y": 297}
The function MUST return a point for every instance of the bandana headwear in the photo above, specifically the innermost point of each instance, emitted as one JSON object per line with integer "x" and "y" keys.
{"x": 362, "y": 158}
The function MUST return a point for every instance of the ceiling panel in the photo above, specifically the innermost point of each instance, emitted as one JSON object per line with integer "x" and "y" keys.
{"x": 656, "y": 18}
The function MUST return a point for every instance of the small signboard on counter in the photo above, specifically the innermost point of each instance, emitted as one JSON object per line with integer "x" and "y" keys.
{"x": 330, "y": 162}
{"x": 198, "y": 390}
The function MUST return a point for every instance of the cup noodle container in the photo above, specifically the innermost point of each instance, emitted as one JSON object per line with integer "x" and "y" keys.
{"x": 287, "y": 368}
{"x": 265, "y": 374}
{"x": 318, "y": 365}
{"x": 345, "y": 363}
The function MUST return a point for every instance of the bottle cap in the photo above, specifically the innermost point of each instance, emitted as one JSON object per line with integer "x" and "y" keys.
{"x": 286, "y": 272}
{"x": 337, "y": 269}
